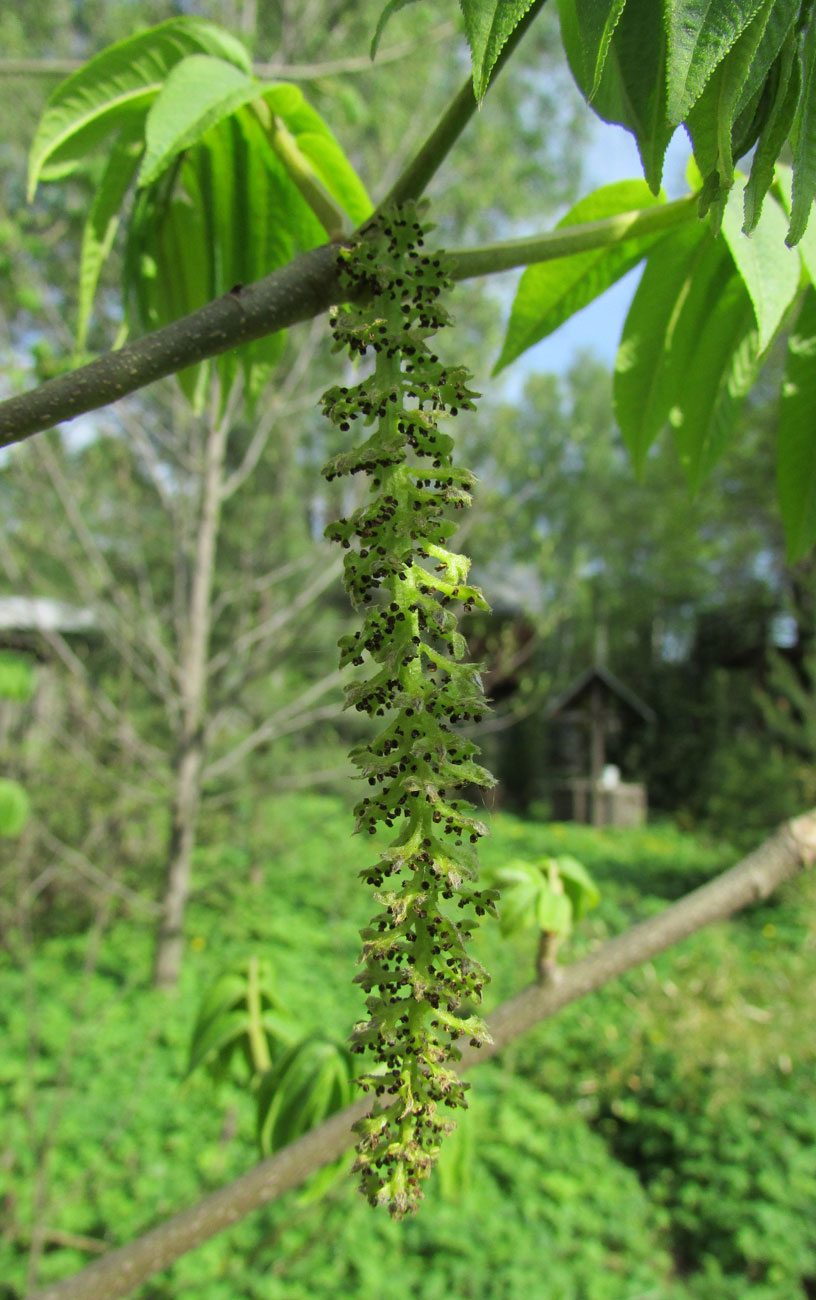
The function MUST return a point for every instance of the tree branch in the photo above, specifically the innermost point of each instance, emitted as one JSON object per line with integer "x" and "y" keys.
{"x": 306, "y": 287}
{"x": 757, "y": 876}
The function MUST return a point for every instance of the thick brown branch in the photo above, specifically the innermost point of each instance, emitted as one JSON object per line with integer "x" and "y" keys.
{"x": 304, "y": 288}
{"x": 757, "y": 876}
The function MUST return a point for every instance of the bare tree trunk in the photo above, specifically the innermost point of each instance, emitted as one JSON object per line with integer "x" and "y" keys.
{"x": 193, "y": 684}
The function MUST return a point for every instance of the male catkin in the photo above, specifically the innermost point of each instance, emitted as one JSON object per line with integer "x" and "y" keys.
{"x": 400, "y": 572}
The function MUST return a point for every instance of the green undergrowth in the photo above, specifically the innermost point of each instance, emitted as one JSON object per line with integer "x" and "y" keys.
{"x": 656, "y": 1139}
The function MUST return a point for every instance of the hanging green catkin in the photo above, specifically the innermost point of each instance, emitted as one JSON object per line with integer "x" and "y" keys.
{"x": 399, "y": 569}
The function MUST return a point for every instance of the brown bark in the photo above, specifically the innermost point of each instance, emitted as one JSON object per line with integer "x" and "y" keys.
{"x": 757, "y": 876}
{"x": 193, "y": 682}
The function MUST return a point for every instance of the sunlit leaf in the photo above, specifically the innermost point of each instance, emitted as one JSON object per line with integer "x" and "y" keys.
{"x": 586, "y": 30}
{"x": 489, "y": 24}
{"x": 198, "y": 93}
{"x": 641, "y": 396}
{"x": 117, "y": 84}
{"x": 769, "y": 270}
{"x": 550, "y": 292}
{"x": 392, "y": 7}
{"x": 796, "y": 453}
{"x": 14, "y": 807}
{"x": 103, "y": 221}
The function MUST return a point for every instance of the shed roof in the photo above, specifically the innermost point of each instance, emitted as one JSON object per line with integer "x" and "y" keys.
{"x": 579, "y": 689}
{"x": 44, "y": 614}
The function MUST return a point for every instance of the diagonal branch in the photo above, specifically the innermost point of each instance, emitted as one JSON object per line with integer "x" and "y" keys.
{"x": 306, "y": 287}
{"x": 757, "y": 876}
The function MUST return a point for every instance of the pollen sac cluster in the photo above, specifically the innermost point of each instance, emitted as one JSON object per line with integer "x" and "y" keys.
{"x": 418, "y": 977}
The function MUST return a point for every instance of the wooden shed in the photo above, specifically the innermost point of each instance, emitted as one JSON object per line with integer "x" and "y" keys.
{"x": 592, "y": 706}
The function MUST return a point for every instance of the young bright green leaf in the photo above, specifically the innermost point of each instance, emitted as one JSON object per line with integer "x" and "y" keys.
{"x": 641, "y": 396}
{"x": 770, "y": 271}
{"x": 307, "y": 1084}
{"x": 722, "y": 362}
{"x": 550, "y": 292}
{"x": 317, "y": 142}
{"x": 198, "y": 93}
{"x": 392, "y": 7}
{"x": 586, "y": 30}
{"x": 103, "y": 221}
{"x": 488, "y": 25}
{"x": 796, "y": 448}
{"x": 120, "y": 82}
{"x": 14, "y": 807}
{"x": 553, "y": 912}
{"x": 578, "y": 884}
{"x": 804, "y": 133}
{"x": 16, "y": 677}
{"x": 688, "y": 354}
{"x": 701, "y": 32}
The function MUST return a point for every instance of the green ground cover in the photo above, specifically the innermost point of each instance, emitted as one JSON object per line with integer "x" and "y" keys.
{"x": 656, "y": 1139}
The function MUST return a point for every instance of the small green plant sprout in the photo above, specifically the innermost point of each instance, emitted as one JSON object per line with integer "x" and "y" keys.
{"x": 16, "y": 683}
{"x": 552, "y": 894}
{"x": 14, "y": 807}
{"x": 240, "y": 1016}
{"x": 306, "y": 1085}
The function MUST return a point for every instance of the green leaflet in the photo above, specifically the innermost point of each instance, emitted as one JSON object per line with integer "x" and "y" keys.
{"x": 103, "y": 222}
{"x": 631, "y": 89}
{"x": 240, "y": 1003}
{"x": 392, "y": 7}
{"x": 711, "y": 122}
{"x": 806, "y": 247}
{"x": 701, "y": 33}
{"x": 320, "y": 146}
{"x": 586, "y": 30}
{"x": 311, "y": 1081}
{"x": 14, "y": 807}
{"x": 198, "y": 93}
{"x": 796, "y": 454}
{"x": 804, "y": 133}
{"x": 769, "y": 270}
{"x": 774, "y": 131}
{"x": 578, "y": 884}
{"x": 688, "y": 353}
{"x": 724, "y": 363}
{"x": 551, "y": 292}
{"x": 488, "y": 25}
{"x": 641, "y": 396}
{"x": 550, "y": 894}
{"x": 122, "y": 80}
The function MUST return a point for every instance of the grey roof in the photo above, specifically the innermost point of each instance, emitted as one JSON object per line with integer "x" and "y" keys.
{"x": 43, "y": 614}
{"x": 613, "y": 684}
